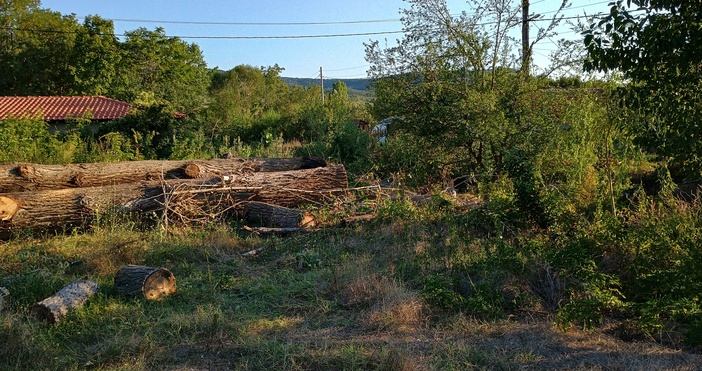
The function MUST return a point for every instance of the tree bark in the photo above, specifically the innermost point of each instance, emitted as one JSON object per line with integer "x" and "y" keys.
{"x": 72, "y": 296}
{"x": 33, "y": 177}
{"x": 277, "y": 216}
{"x": 152, "y": 283}
{"x": 189, "y": 197}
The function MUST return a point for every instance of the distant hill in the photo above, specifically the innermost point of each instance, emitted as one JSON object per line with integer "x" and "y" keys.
{"x": 355, "y": 84}
{"x": 358, "y": 88}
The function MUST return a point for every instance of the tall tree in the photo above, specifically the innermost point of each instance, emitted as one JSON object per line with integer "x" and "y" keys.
{"x": 95, "y": 57}
{"x": 36, "y": 49}
{"x": 656, "y": 47}
{"x": 173, "y": 70}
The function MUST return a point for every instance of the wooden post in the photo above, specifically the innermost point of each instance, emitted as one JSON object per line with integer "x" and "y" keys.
{"x": 150, "y": 282}
{"x": 72, "y": 296}
{"x": 526, "y": 49}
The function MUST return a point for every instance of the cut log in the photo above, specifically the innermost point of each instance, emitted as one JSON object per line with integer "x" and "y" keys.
{"x": 77, "y": 206}
{"x": 205, "y": 169}
{"x": 8, "y": 208}
{"x": 4, "y": 293}
{"x": 152, "y": 283}
{"x": 277, "y": 216}
{"x": 32, "y": 177}
{"x": 72, "y": 296}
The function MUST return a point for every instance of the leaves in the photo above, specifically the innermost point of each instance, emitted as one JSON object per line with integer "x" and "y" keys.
{"x": 658, "y": 54}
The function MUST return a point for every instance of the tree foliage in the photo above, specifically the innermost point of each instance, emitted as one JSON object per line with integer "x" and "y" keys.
{"x": 173, "y": 70}
{"x": 454, "y": 82}
{"x": 45, "y": 53}
{"x": 656, "y": 48}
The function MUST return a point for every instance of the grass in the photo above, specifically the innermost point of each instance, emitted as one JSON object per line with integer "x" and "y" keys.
{"x": 351, "y": 298}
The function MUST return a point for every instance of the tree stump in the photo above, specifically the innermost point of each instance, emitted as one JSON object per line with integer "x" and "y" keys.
{"x": 4, "y": 293}
{"x": 151, "y": 282}
{"x": 72, "y": 296}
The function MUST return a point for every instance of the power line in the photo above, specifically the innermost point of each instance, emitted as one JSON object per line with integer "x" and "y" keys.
{"x": 254, "y": 23}
{"x": 299, "y": 36}
{"x": 577, "y": 7}
{"x": 350, "y": 68}
{"x": 222, "y": 37}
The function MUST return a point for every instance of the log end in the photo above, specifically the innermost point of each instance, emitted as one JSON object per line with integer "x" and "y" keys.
{"x": 159, "y": 284}
{"x": 307, "y": 220}
{"x": 192, "y": 170}
{"x": 9, "y": 207}
{"x": 42, "y": 313}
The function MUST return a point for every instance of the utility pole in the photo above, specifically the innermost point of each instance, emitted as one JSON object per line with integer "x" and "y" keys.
{"x": 321, "y": 77}
{"x": 526, "y": 54}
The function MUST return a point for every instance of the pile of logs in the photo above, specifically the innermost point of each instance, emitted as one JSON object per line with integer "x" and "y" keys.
{"x": 268, "y": 190}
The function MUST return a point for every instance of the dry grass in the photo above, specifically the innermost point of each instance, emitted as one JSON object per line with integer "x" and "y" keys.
{"x": 387, "y": 304}
{"x": 348, "y": 310}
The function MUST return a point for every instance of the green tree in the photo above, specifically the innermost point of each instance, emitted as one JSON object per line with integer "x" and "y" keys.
{"x": 249, "y": 102}
{"x": 173, "y": 70}
{"x": 95, "y": 57}
{"x": 35, "y": 52}
{"x": 453, "y": 86}
{"x": 656, "y": 48}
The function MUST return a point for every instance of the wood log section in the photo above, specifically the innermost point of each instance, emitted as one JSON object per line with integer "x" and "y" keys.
{"x": 277, "y": 216}
{"x": 33, "y": 177}
{"x": 152, "y": 283}
{"x": 72, "y": 296}
{"x": 4, "y": 294}
{"x": 77, "y": 206}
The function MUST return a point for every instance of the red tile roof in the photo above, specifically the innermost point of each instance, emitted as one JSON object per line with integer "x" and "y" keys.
{"x": 61, "y": 108}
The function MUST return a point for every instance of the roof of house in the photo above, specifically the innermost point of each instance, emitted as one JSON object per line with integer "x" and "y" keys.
{"x": 60, "y": 108}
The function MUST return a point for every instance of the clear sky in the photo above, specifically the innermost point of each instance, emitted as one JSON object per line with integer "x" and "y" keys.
{"x": 228, "y": 45}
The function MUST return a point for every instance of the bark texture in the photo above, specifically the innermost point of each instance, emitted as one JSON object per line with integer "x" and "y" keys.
{"x": 33, "y": 177}
{"x": 72, "y": 296}
{"x": 277, "y": 216}
{"x": 151, "y": 283}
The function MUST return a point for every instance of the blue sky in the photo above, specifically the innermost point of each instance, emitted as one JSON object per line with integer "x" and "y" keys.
{"x": 340, "y": 57}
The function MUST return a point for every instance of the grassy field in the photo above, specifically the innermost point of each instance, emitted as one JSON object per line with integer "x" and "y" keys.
{"x": 346, "y": 297}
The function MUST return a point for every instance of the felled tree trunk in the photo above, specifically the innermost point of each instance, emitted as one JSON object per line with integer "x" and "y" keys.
{"x": 77, "y": 206}
{"x": 152, "y": 283}
{"x": 33, "y": 177}
{"x": 72, "y": 296}
{"x": 277, "y": 216}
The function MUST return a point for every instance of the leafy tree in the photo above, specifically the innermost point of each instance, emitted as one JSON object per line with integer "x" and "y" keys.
{"x": 36, "y": 49}
{"x": 250, "y": 103}
{"x": 453, "y": 84}
{"x": 173, "y": 70}
{"x": 95, "y": 57}
{"x": 656, "y": 48}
